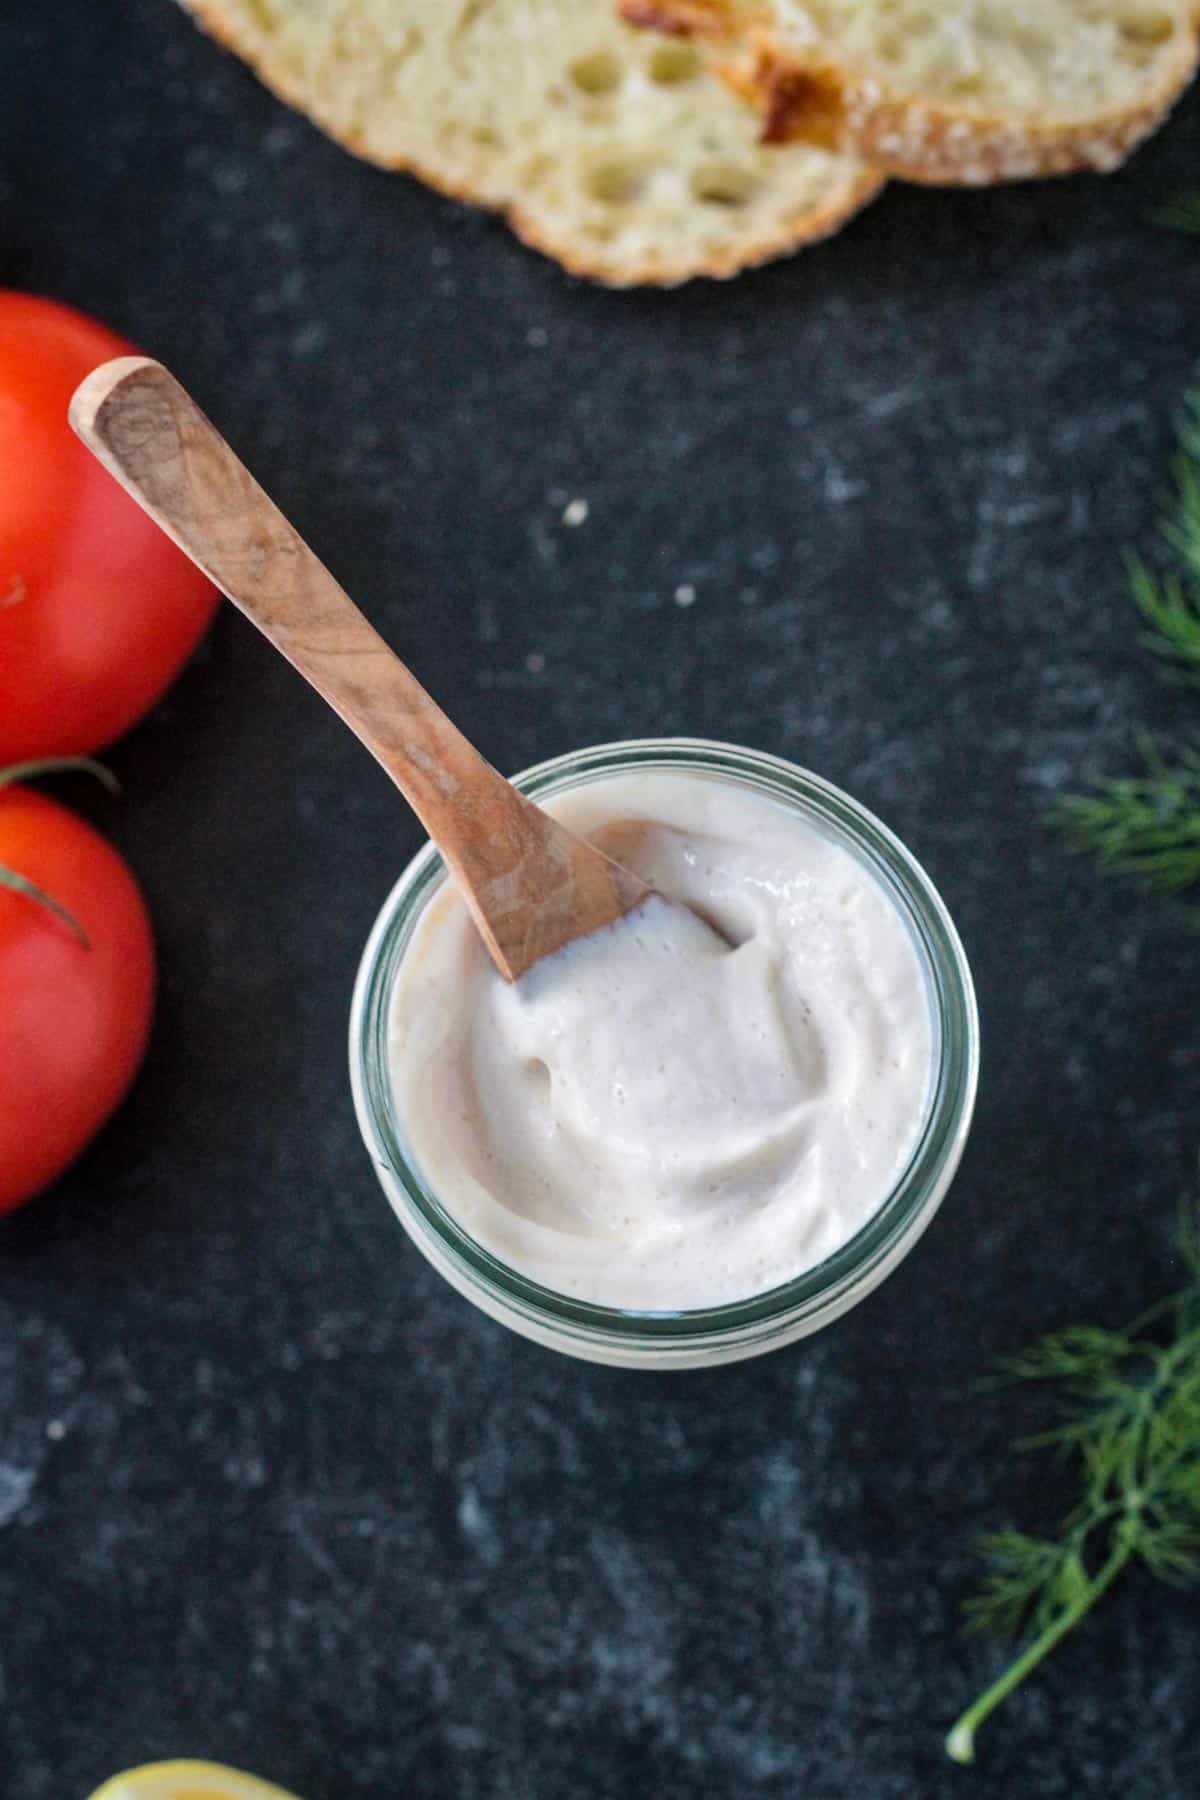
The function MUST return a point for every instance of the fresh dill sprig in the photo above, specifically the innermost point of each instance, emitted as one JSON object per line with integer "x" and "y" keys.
{"x": 1170, "y": 603}
{"x": 1148, "y": 825}
{"x": 1171, "y": 610}
{"x": 1181, "y": 523}
{"x": 1128, "y": 1415}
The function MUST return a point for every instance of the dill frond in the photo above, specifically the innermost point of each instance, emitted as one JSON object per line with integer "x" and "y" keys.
{"x": 1147, "y": 826}
{"x": 1128, "y": 1406}
{"x": 1081, "y": 1353}
{"x": 1171, "y": 609}
{"x": 1020, "y": 1571}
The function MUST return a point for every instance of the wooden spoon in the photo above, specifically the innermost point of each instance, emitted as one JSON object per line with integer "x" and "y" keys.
{"x": 532, "y": 886}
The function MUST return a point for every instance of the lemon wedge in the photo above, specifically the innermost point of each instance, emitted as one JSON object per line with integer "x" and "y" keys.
{"x": 188, "y": 1781}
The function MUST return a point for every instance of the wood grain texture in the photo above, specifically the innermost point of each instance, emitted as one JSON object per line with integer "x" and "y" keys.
{"x": 532, "y": 886}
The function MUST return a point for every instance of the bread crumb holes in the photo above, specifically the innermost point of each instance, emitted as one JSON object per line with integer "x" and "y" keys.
{"x": 598, "y": 73}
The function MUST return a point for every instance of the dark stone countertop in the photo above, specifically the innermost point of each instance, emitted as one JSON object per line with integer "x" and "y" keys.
{"x": 269, "y": 1491}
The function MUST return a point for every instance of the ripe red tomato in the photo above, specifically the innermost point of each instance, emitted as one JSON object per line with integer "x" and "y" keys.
{"x": 98, "y": 610}
{"x": 74, "y": 1018}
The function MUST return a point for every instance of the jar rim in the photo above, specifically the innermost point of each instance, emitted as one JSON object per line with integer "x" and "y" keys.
{"x": 807, "y": 1300}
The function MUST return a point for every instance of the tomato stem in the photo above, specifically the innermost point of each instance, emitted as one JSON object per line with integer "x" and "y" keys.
{"x": 60, "y": 765}
{"x": 20, "y": 884}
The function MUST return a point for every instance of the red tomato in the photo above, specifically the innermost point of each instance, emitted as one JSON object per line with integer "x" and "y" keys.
{"x": 74, "y": 1018}
{"x": 98, "y": 610}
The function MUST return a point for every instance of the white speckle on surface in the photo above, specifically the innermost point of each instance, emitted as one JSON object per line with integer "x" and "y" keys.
{"x": 280, "y": 139}
{"x": 545, "y": 544}
{"x": 309, "y": 340}
{"x": 230, "y": 179}
{"x": 245, "y": 1469}
{"x": 840, "y": 487}
{"x": 477, "y": 1527}
{"x": 575, "y": 512}
{"x": 535, "y": 662}
{"x": 1027, "y": 512}
{"x": 537, "y": 337}
{"x": 885, "y": 406}
{"x": 685, "y": 594}
{"x": 56, "y": 1430}
{"x": 16, "y": 1485}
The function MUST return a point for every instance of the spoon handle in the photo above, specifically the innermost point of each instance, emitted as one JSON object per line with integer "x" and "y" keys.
{"x": 531, "y": 886}
{"x": 150, "y": 434}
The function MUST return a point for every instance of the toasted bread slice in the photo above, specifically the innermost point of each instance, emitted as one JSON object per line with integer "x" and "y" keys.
{"x": 617, "y": 154}
{"x": 951, "y": 92}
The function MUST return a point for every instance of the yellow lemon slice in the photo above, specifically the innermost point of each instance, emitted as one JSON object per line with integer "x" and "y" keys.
{"x": 188, "y": 1781}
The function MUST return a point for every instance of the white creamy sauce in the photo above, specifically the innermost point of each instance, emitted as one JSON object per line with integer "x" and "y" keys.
{"x": 656, "y": 1118}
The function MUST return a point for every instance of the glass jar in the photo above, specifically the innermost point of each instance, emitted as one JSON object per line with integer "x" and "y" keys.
{"x": 685, "y": 1339}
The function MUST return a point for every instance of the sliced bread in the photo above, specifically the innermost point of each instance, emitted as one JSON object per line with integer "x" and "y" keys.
{"x": 952, "y": 92}
{"x": 616, "y": 153}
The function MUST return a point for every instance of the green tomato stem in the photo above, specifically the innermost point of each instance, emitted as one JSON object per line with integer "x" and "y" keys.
{"x": 29, "y": 890}
{"x": 960, "y": 1741}
{"x": 29, "y": 771}
{"x": 59, "y": 765}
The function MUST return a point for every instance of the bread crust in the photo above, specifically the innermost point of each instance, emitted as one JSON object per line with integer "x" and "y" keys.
{"x": 765, "y": 246}
{"x": 810, "y": 97}
{"x": 682, "y": 18}
{"x": 819, "y": 223}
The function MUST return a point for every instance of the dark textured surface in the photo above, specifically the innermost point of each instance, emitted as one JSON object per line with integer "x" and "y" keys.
{"x": 269, "y": 1491}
